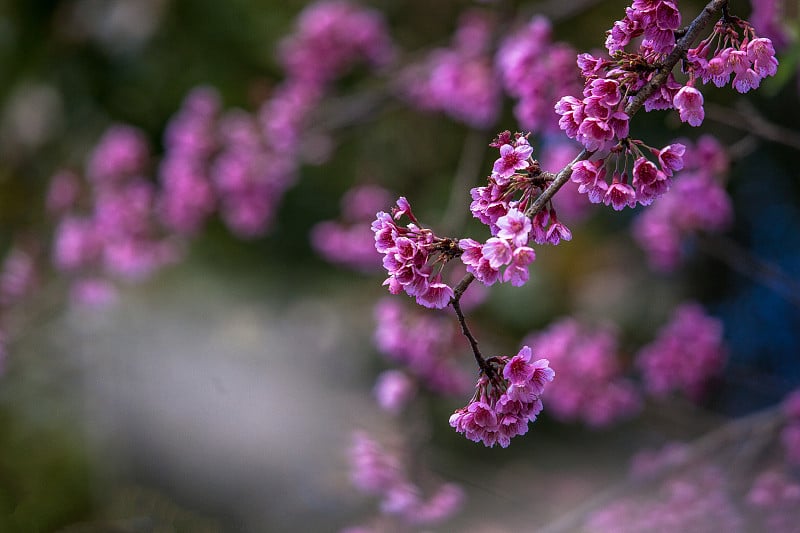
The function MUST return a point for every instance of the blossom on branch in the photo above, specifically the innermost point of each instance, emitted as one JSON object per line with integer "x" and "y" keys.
{"x": 407, "y": 251}
{"x": 505, "y": 401}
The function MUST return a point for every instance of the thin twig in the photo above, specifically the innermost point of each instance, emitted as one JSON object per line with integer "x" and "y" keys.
{"x": 484, "y": 366}
{"x": 693, "y": 31}
{"x": 559, "y": 181}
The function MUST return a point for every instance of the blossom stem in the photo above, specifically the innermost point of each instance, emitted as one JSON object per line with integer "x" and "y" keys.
{"x": 560, "y": 179}
{"x": 485, "y": 367}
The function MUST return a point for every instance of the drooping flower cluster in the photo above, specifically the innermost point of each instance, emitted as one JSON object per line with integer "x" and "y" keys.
{"x": 426, "y": 345}
{"x": 536, "y": 72}
{"x": 411, "y": 254}
{"x": 654, "y": 20}
{"x": 725, "y": 53}
{"x": 590, "y": 386}
{"x": 636, "y": 178}
{"x": 599, "y": 121}
{"x": 514, "y": 183}
{"x": 697, "y": 203}
{"x": 687, "y": 352}
{"x": 459, "y": 80}
{"x": 505, "y": 401}
{"x": 350, "y": 243}
{"x": 376, "y": 472}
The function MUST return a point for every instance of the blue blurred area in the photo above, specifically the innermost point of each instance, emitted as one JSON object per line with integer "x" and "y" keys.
{"x": 762, "y": 323}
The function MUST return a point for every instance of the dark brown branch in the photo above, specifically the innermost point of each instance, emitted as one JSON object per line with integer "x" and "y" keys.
{"x": 683, "y": 44}
{"x": 484, "y": 366}
{"x": 693, "y": 31}
{"x": 559, "y": 181}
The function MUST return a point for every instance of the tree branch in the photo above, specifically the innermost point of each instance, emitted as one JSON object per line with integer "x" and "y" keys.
{"x": 484, "y": 366}
{"x": 683, "y": 44}
{"x": 693, "y": 31}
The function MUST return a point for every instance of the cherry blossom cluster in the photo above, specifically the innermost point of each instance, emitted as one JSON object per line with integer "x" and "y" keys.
{"x": 424, "y": 345}
{"x": 726, "y": 52}
{"x": 698, "y": 203}
{"x": 350, "y": 242}
{"x": 330, "y": 37}
{"x": 654, "y": 20}
{"x": 240, "y": 164}
{"x": 640, "y": 174}
{"x": 413, "y": 256}
{"x": 590, "y": 385}
{"x": 685, "y": 355}
{"x": 119, "y": 224}
{"x": 115, "y": 234}
{"x": 536, "y": 72}
{"x": 459, "y": 80}
{"x": 230, "y": 162}
{"x": 515, "y": 181}
{"x": 790, "y": 435}
{"x": 599, "y": 120}
{"x": 376, "y": 472}
{"x": 506, "y": 399}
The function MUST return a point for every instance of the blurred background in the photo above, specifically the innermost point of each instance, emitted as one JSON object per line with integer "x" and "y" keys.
{"x": 220, "y": 394}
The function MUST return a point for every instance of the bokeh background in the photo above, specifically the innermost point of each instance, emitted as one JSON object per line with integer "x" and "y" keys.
{"x": 221, "y": 394}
